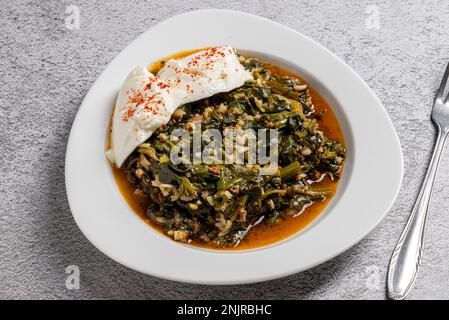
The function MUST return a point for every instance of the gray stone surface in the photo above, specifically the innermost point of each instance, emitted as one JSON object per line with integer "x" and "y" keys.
{"x": 46, "y": 69}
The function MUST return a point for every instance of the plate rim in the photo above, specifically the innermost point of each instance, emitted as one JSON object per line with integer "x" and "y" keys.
{"x": 221, "y": 281}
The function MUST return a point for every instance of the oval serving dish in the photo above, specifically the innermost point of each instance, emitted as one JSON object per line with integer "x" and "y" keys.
{"x": 109, "y": 223}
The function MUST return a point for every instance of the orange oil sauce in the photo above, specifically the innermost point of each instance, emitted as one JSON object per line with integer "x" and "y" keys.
{"x": 262, "y": 234}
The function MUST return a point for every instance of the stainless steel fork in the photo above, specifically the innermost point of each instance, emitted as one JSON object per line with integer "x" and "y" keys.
{"x": 406, "y": 258}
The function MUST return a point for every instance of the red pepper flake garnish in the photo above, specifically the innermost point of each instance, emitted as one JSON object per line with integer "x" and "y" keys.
{"x": 162, "y": 85}
{"x": 128, "y": 114}
{"x": 153, "y": 104}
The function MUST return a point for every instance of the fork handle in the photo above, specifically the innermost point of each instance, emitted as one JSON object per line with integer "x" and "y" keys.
{"x": 406, "y": 258}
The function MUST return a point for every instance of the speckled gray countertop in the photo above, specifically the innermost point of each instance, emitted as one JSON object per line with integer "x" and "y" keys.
{"x": 47, "y": 68}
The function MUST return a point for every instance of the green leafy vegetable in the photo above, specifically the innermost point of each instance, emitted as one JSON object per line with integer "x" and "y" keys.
{"x": 220, "y": 203}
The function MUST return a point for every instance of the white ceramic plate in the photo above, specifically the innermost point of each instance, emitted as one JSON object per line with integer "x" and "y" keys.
{"x": 369, "y": 185}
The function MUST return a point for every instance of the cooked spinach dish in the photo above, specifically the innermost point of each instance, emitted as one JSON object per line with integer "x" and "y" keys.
{"x": 218, "y": 204}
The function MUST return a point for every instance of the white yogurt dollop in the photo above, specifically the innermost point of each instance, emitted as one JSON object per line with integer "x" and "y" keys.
{"x": 146, "y": 101}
